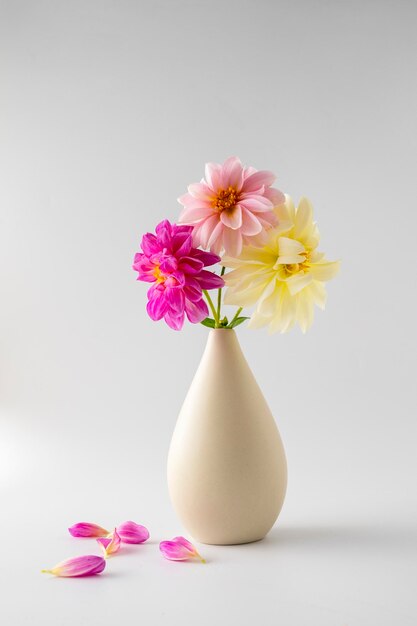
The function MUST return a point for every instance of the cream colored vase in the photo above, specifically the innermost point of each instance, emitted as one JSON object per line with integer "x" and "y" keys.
{"x": 227, "y": 472}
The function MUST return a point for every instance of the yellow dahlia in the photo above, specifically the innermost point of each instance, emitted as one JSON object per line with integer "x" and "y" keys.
{"x": 285, "y": 278}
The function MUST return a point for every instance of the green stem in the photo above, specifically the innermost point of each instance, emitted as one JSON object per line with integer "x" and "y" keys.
{"x": 238, "y": 312}
{"x": 219, "y": 295}
{"x": 211, "y": 305}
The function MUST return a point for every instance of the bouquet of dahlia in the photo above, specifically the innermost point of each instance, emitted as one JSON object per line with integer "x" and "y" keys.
{"x": 235, "y": 218}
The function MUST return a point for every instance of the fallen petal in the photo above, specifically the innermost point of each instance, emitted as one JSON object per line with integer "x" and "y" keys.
{"x": 130, "y": 532}
{"x": 78, "y": 566}
{"x": 179, "y": 549}
{"x": 85, "y": 529}
{"x": 111, "y": 544}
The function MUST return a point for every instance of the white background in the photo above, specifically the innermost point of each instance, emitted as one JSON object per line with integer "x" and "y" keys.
{"x": 108, "y": 110}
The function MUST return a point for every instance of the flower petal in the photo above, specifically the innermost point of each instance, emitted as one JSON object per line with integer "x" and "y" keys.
{"x": 190, "y": 265}
{"x": 130, "y": 532}
{"x": 232, "y": 242}
{"x": 175, "y": 298}
{"x": 157, "y": 305}
{"x": 215, "y": 237}
{"x": 174, "y": 551}
{"x": 298, "y": 282}
{"x": 196, "y": 311}
{"x": 213, "y": 175}
{"x": 78, "y": 566}
{"x": 291, "y": 251}
{"x": 258, "y": 204}
{"x": 110, "y": 545}
{"x": 85, "y": 529}
{"x": 325, "y": 270}
{"x": 173, "y": 320}
{"x": 193, "y": 293}
{"x": 303, "y": 218}
{"x": 250, "y": 223}
{"x": 179, "y": 549}
{"x": 150, "y": 244}
{"x": 207, "y": 228}
{"x": 275, "y": 196}
{"x": 206, "y": 257}
{"x": 233, "y": 218}
{"x": 258, "y": 179}
{"x": 164, "y": 233}
{"x": 195, "y": 215}
{"x": 232, "y": 173}
{"x": 209, "y": 280}
{"x": 168, "y": 265}
{"x": 200, "y": 191}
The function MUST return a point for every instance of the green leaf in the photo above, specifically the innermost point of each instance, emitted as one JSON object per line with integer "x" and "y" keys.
{"x": 224, "y": 322}
{"x": 237, "y": 321}
{"x": 209, "y": 322}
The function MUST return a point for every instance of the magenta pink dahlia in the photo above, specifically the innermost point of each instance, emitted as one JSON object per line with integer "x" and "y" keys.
{"x": 232, "y": 206}
{"x": 169, "y": 261}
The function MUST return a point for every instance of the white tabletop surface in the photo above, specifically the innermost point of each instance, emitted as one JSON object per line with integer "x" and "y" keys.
{"x": 326, "y": 562}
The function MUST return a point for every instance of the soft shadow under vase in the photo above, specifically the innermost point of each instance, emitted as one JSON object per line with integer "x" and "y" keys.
{"x": 227, "y": 472}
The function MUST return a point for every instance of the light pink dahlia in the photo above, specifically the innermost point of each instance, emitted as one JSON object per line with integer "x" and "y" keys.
{"x": 232, "y": 206}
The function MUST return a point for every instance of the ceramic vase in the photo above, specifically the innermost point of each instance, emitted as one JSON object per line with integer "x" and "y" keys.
{"x": 227, "y": 471}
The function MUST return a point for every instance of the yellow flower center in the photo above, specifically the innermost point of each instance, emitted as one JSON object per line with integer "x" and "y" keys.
{"x": 226, "y": 199}
{"x": 294, "y": 268}
{"x": 160, "y": 278}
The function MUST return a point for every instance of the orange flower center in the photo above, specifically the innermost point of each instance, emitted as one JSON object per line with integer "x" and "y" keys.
{"x": 226, "y": 199}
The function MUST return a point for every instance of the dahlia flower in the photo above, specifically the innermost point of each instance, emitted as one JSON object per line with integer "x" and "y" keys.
{"x": 232, "y": 206}
{"x": 285, "y": 278}
{"x": 169, "y": 261}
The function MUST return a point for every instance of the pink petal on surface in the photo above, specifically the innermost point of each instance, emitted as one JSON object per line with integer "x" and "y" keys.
{"x": 187, "y": 544}
{"x": 78, "y": 566}
{"x": 85, "y": 529}
{"x": 179, "y": 549}
{"x": 173, "y": 551}
{"x": 130, "y": 532}
{"x": 110, "y": 545}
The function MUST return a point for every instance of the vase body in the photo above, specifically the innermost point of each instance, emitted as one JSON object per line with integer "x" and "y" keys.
{"x": 227, "y": 472}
